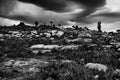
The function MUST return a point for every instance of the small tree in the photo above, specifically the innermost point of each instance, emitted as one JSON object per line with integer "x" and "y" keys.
{"x": 21, "y": 24}
{"x": 51, "y": 22}
{"x": 76, "y": 27}
{"x": 36, "y": 23}
{"x": 59, "y": 25}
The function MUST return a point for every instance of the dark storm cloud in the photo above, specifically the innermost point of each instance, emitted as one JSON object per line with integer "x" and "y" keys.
{"x": 91, "y": 3}
{"x": 82, "y": 16}
{"x": 108, "y": 17}
{"x": 15, "y": 10}
{"x": 112, "y": 14}
{"x": 54, "y": 5}
{"x": 90, "y": 6}
{"x": 58, "y": 5}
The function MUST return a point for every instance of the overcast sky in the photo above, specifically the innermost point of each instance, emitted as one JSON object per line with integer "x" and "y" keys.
{"x": 65, "y": 12}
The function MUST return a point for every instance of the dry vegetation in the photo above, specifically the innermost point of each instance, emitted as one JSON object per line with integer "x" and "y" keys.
{"x": 79, "y": 54}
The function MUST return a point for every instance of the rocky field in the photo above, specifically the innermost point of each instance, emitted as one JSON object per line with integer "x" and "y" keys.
{"x": 59, "y": 54}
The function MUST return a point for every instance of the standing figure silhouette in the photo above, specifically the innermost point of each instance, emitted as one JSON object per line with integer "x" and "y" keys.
{"x": 99, "y": 26}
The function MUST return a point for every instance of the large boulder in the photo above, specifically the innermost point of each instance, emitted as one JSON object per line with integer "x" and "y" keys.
{"x": 84, "y": 34}
{"x": 87, "y": 40}
{"x": 51, "y": 46}
{"x": 70, "y": 47}
{"x": 96, "y": 66}
{"x": 37, "y": 46}
{"x": 74, "y": 40}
